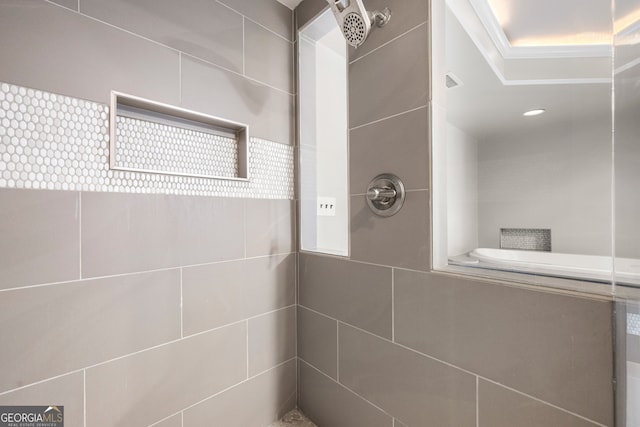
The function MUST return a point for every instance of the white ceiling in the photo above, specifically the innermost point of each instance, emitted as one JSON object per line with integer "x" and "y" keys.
{"x": 533, "y": 22}
{"x": 485, "y": 107}
{"x": 572, "y": 89}
{"x": 291, "y": 4}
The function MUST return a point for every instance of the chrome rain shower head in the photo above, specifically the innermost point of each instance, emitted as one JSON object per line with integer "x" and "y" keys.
{"x": 355, "y": 21}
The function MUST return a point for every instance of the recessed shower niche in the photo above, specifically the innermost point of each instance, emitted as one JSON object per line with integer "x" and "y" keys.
{"x": 152, "y": 137}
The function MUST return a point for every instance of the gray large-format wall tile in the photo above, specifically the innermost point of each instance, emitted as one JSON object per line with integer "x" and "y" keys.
{"x": 146, "y": 387}
{"x": 318, "y": 341}
{"x": 401, "y": 240}
{"x": 273, "y": 15}
{"x": 272, "y": 340}
{"x": 405, "y": 15}
{"x": 70, "y": 4}
{"x": 358, "y": 294}
{"x": 40, "y": 237}
{"x": 78, "y": 56}
{"x": 257, "y": 402}
{"x": 212, "y": 90}
{"x": 308, "y": 10}
{"x": 557, "y": 348}
{"x": 51, "y": 330}
{"x": 270, "y": 226}
{"x": 392, "y": 80}
{"x": 328, "y": 404}
{"x": 500, "y": 407}
{"x": 633, "y": 348}
{"x": 413, "y": 388}
{"x": 175, "y": 421}
{"x": 212, "y": 295}
{"x": 217, "y": 294}
{"x": 268, "y": 58}
{"x": 67, "y": 391}
{"x": 399, "y": 145}
{"x": 130, "y": 232}
{"x": 270, "y": 283}
{"x": 203, "y": 28}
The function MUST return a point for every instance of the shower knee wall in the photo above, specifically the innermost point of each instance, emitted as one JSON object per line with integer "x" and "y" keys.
{"x": 384, "y": 341}
{"x": 126, "y": 304}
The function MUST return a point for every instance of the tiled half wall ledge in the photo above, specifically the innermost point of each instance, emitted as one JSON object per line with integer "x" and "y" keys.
{"x": 56, "y": 142}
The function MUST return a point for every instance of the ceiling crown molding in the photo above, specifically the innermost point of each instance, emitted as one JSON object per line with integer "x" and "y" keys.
{"x": 507, "y": 51}
{"x": 520, "y": 65}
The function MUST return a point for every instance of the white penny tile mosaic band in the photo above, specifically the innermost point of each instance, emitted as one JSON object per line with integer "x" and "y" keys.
{"x": 56, "y": 142}
{"x": 162, "y": 148}
{"x": 633, "y": 324}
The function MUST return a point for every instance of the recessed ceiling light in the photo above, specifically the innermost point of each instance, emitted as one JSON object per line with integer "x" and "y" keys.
{"x": 535, "y": 112}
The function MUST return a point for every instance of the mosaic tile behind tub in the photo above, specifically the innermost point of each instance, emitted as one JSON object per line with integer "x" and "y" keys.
{"x": 56, "y": 142}
{"x": 532, "y": 239}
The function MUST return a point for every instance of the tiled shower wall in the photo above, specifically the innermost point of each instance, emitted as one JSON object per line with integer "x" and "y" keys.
{"x": 384, "y": 342}
{"x": 151, "y": 309}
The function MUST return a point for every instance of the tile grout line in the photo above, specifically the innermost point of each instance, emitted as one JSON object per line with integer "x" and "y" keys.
{"x": 393, "y": 116}
{"x": 180, "y": 78}
{"x": 174, "y": 341}
{"x": 295, "y": 326}
{"x": 181, "y": 307}
{"x": 179, "y": 51}
{"x": 389, "y": 42}
{"x": 499, "y": 281}
{"x": 75, "y": 371}
{"x": 213, "y": 64}
{"x": 349, "y": 390}
{"x": 244, "y": 50}
{"x": 542, "y": 401}
{"x": 297, "y": 278}
{"x": 80, "y": 233}
{"x": 133, "y": 273}
{"x": 337, "y": 351}
{"x": 477, "y": 402}
{"x": 222, "y": 391}
{"x": 247, "y": 345}
{"x": 413, "y": 190}
{"x": 244, "y": 227}
{"x": 22, "y": 387}
{"x": 255, "y": 22}
{"x": 453, "y": 367}
{"x": 393, "y": 305}
{"x": 84, "y": 389}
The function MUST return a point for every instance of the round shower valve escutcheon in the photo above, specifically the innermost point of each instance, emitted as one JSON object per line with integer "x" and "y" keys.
{"x": 385, "y": 195}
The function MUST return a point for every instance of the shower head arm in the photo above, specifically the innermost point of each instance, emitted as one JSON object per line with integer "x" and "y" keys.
{"x": 380, "y": 17}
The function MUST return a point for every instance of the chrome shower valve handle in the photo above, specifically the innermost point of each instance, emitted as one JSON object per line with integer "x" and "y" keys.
{"x": 385, "y": 195}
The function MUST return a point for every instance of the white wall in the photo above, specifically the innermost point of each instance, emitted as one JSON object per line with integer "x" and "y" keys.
{"x": 557, "y": 178}
{"x": 627, "y": 143}
{"x": 462, "y": 191}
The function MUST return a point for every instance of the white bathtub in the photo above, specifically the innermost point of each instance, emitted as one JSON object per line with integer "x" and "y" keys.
{"x": 587, "y": 267}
